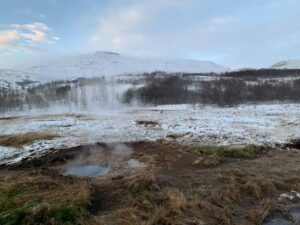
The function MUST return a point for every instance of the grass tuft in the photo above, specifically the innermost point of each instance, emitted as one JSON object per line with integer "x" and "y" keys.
{"x": 223, "y": 151}
{"x": 250, "y": 151}
{"x": 258, "y": 215}
{"x": 176, "y": 199}
{"x": 258, "y": 187}
{"x": 211, "y": 160}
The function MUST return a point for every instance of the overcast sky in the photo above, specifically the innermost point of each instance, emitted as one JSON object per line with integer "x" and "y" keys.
{"x": 235, "y": 33}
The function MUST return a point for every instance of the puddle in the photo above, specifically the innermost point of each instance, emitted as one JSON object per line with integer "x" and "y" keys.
{"x": 133, "y": 163}
{"x": 295, "y": 212}
{"x": 87, "y": 170}
{"x": 278, "y": 221}
{"x": 100, "y": 159}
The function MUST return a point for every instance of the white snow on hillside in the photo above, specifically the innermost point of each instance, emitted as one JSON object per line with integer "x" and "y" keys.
{"x": 107, "y": 64}
{"x": 288, "y": 64}
{"x": 11, "y": 78}
{"x": 100, "y": 64}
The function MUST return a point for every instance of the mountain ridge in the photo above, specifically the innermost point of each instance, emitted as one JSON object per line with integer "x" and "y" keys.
{"x": 102, "y": 63}
{"x": 111, "y": 64}
{"x": 287, "y": 64}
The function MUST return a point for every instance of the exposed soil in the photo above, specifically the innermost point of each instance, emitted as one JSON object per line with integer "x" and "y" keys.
{"x": 177, "y": 185}
{"x": 294, "y": 144}
{"x": 19, "y": 140}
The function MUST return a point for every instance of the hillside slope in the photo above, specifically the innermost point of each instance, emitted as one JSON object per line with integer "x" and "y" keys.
{"x": 100, "y": 64}
{"x": 287, "y": 64}
{"x": 15, "y": 78}
{"x": 109, "y": 64}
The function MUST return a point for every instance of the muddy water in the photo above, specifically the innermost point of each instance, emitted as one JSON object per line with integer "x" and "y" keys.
{"x": 295, "y": 212}
{"x": 87, "y": 170}
{"x": 100, "y": 160}
{"x": 278, "y": 221}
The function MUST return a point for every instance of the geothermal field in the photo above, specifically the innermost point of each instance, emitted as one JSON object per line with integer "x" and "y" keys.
{"x": 149, "y": 147}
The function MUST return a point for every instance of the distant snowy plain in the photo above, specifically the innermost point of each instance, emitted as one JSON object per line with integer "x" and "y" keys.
{"x": 269, "y": 125}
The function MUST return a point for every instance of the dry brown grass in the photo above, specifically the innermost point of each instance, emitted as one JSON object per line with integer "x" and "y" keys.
{"x": 229, "y": 192}
{"x": 173, "y": 192}
{"x": 161, "y": 216}
{"x": 145, "y": 203}
{"x": 293, "y": 181}
{"x": 143, "y": 182}
{"x": 258, "y": 192}
{"x": 19, "y": 140}
{"x": 258, "y": 216}
{"x": 233, "y": 196}
{"x": 212, "y": 214}
{"x": 127, "y": 216}
{"x": 250, "y": 151}
{"x": 208, "y": 161}
{"x": 258, "y": 187}
{"x": 176, "y": 200}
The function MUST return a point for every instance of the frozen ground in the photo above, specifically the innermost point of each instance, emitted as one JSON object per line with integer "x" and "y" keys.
{"x": 248, "y": 124}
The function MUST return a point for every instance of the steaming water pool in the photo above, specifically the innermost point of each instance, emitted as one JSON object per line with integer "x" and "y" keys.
{"x": 87, "y": 170}
{"x": 133, "y": 163}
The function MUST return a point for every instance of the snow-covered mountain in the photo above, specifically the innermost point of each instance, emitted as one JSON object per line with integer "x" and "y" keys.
{"x": 108, "y": 64}
{"x": 287, "y": 64}
{"x": 100, "y": 64}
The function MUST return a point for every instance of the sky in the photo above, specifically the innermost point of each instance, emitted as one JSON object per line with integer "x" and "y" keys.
{"x": 234, "y": 33}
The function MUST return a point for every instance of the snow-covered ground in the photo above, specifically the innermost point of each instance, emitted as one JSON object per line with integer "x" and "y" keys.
{"x": 247, "y": 124}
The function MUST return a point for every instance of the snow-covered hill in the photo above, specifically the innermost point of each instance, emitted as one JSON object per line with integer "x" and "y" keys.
{"x": 15, "y": 78}
{"x": 108, "y": 64}
{"x": 100, "y": 64}
{"x": 287, "y": 64}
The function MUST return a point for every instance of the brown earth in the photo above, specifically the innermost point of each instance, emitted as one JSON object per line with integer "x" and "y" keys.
{"x": 179, "y": 185}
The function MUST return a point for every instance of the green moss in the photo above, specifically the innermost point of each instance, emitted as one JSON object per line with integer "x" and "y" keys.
{"x": 66, "y": 213}
{"x": 11, "y": 212}
{"x": 223, "y": 151}
{"x": 26, "y": 207}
